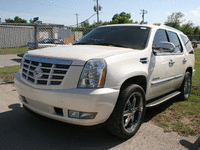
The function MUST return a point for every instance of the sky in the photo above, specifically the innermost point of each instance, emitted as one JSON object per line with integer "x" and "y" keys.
{"x": 63, "y": 11}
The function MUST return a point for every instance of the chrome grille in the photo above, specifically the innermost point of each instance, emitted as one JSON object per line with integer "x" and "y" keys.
{"x": 44, "y": 71}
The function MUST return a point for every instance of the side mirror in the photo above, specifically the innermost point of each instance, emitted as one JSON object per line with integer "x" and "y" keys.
{"x": 165, "y": 47}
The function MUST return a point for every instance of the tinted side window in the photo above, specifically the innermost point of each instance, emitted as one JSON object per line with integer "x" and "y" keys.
{"x": 159, "y": 37}
{"x": 175, "y": 40}
{"x": 187, "y": 43}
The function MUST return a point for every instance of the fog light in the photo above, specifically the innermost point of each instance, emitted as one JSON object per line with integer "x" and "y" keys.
{"x": 81, "y": 115}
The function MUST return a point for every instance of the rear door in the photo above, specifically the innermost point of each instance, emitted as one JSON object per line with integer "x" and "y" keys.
{"x": 179, "y": 59}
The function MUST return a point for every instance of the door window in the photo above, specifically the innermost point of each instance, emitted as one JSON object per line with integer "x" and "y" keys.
{"x": 175, "y": 40}
{"x": 160, "y": 36}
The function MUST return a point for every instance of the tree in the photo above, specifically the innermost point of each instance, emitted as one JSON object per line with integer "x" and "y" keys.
{"x": 157, "y": 24}
{"x": 174, "y": 20}
{"x": 85, "y": 24}
{"x": 187, "y": 28}
{"x": 196, "y": 31}
{"x": 16, "y": 20}
{"x": 121, "y": 18}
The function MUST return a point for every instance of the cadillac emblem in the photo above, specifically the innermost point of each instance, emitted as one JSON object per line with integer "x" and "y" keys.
{"x": 37, "y": 73}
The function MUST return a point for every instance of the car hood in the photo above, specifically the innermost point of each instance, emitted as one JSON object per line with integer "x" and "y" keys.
{"x": 79, "y": 54}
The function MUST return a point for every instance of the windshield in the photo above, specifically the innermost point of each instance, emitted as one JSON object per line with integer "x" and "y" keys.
{"x": 121, "y": 36}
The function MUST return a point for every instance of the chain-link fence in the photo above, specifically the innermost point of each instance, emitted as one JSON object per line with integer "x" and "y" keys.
{"x": 16, "y": 39}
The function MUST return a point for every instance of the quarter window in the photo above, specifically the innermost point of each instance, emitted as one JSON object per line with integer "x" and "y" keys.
{"x": 187, "y": 43}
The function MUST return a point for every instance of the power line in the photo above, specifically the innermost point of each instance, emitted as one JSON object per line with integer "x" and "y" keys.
{"x": 84, "y": 20}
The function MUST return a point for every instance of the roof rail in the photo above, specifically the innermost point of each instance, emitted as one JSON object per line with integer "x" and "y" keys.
{"x": 172, "y": 28}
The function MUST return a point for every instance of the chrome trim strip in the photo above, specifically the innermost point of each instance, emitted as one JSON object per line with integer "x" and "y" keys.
{"x": 48, "y": 60}
{"x": 167, "y": 79}
{"x": 164, "y": 54}
{"x": 163, "y": 99}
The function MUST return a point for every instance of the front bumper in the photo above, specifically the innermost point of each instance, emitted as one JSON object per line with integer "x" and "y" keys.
{"x": 44, "y": 102}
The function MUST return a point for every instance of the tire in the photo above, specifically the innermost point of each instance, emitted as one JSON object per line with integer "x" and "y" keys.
{"x": 128, "y": 113}
{"x": 185, "y": 88}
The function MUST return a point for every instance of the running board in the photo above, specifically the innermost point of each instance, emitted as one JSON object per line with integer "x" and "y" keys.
{"x": 162, "y": 99}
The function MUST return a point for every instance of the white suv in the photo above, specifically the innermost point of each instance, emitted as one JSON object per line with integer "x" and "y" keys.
{"x": 110, "y": 76}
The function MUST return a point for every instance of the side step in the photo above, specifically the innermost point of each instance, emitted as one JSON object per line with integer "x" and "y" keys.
{"x": 162, "y": 99}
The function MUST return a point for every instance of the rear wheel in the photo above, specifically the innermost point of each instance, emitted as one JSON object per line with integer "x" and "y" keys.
{"x": 128, "y": 113}
{"x": 186, "y": 87}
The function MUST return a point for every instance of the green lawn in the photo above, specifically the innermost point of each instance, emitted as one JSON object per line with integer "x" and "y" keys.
{"x": 8, "y": 73}
{"x": 15, "y": 50}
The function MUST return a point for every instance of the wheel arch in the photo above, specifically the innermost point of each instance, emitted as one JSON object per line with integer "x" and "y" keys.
{"x": 139, "y": 80}
{"x": 190, "y": 70}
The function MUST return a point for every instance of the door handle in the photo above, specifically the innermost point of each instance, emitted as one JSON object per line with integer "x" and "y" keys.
{"x": 184, "y": 61}
{"x": 171, "y": 62}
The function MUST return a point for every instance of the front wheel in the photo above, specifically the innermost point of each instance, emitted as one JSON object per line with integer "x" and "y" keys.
{"x": 128, "y": 113}
{"x": 186, "y": 87}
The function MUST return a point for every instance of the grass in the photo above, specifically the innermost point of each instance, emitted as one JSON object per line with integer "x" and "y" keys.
{"x": 15, "y": 50}
{"x": 182, "y": 116}
{"x": 8, "y": 73}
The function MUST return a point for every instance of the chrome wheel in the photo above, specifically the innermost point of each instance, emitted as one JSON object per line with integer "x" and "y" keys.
{"x": 128, "y": 113}
{"x": 132, "y": 112}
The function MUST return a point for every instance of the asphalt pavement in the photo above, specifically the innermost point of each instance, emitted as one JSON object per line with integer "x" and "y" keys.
{"x": 21, "y": 130}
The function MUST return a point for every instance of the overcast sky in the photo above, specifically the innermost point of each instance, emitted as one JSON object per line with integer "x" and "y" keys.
{"x": 63, "y": 11}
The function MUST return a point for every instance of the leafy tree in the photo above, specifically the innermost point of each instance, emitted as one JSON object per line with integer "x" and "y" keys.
{"x": 16, "y": 20}
{"x": 174, "y": 20}
{"x": 85, "y": 24}
{"x": 121, "y": 18}
{"x": 157, "y": 24}
{"x": 136, "y": 22}
{"x": 117, "y": 19}
{"x": 196, "y": 31}
{"x": 187, "y": 28}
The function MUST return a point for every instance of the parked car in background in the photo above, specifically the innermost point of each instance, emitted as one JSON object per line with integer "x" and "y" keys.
{"x": 49, "y": 42}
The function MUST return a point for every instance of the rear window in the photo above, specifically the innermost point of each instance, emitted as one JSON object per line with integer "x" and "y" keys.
{"x": 135, "y": 37}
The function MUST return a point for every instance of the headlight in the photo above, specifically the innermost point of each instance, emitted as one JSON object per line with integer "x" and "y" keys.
{"x": 93, "y": 74}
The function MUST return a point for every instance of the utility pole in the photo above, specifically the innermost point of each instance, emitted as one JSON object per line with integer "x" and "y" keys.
{"x": 143, "y": 13}
{"x": 97, "y": 13}
{"x": 97, "y": 8}
{"x": 76, "y": 19}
